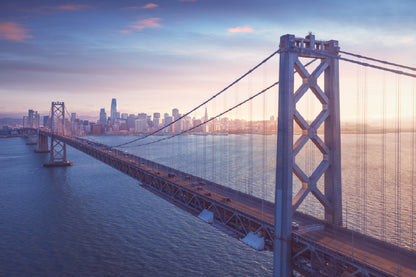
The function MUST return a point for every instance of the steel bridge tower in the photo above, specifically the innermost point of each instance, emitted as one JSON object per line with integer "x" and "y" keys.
{"x": 330, "y": 166}
{"x": 58, "y": 148}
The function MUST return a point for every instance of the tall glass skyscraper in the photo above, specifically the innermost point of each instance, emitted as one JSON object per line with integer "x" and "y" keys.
{"x": 113, "y": 109}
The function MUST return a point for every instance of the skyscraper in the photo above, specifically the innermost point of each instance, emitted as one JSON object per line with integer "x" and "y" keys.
{"x": 30, "y": 118}
{"x": 205, "y": 127}
{"x": 206, "y": 115}
{"x": 103, "y": 117}
{"x": 175, "y": 114}
{"x": 156, "y": 120}
{"x": 113, "y": 110}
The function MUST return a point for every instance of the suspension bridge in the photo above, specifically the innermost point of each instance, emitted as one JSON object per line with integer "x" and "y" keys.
{"x": 319, "y": 218}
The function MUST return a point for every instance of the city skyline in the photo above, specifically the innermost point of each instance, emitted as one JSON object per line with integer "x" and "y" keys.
{"x": 152, "y": 55}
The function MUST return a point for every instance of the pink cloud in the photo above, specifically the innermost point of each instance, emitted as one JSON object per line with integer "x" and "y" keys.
{"x": 150, "y": 6}
{"x": 147, "y": 6}
{"x": 149, "y": 23}
{"x": 241, "y": 29}
{"x": 142, "y": 24}
{"x": 137, "y": 27}
{"x": 13, "y": 31}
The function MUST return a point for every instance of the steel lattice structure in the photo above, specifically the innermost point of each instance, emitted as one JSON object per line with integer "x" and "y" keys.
{"x": 58, "y": 147}
{"x": 330, "y": 166}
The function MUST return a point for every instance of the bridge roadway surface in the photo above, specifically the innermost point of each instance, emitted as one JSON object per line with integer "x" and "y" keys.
{"x": 386, "y": 257}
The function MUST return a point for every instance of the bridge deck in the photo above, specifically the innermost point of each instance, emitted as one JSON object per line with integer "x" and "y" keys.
{"x": 245, "y": 213}
{"x": 390, "y": 259}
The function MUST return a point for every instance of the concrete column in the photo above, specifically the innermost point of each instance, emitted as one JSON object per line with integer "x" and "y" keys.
{"x": 42, "y": 144}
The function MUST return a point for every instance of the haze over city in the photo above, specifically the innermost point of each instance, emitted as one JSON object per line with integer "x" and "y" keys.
{"x": 157, "y": 55}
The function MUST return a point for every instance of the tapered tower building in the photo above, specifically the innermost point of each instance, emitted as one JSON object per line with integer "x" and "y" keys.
{"x": 113, "y": 109}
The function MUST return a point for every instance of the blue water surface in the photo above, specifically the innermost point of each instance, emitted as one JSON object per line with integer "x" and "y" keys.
{"x": 91, "y": 220}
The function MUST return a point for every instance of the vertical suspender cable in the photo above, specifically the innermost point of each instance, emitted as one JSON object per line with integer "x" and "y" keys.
{"x": 364, "y": 111}
{"x": 172, "y": 147}
{"x": 275, "y": 123}
{"x": 225, "y": 168}
{"x": 228, "y": 148}
{"x": 263, "y": 154}
{"x": 204, "y": 165}
{"x": 250, "y": 179}
{"x": 398, "y": 164}
{"x": 412, "y": 234}
{"x": 238, "y": 147}
{"x": 383, "y": 159}
{"x": 307, "y": 153}
{"x": 196, "y": 150}
{"x": 213, "y": 148}
{"x": 357, "y": 148}
{"x": 178, "y": 158}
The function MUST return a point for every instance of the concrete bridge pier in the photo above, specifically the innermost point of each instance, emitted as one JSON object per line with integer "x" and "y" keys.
{"x": 32, "y": 137}
{"x": 42, "y": 144}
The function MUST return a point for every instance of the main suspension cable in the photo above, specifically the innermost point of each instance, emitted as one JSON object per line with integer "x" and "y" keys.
{"x": 377, "y": 60}
{"x": 217, "y": 116}
{"x": 212, "y": 118}
{"x": 360, "y": 63}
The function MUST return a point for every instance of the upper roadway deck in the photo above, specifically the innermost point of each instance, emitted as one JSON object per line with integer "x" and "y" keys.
{"x": 313, "y": 242}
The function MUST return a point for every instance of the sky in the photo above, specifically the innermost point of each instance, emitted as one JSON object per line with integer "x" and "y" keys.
{"x": 154, "y": 55}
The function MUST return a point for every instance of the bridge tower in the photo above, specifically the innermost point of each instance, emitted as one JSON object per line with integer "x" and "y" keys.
{"x": 58, "y": 148}
{"x": 292, "y": 49}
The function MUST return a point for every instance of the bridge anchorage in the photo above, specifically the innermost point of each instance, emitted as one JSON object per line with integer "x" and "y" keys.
{"x": 58, "y": 148}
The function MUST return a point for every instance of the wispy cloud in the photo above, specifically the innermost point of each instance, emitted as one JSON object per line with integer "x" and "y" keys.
{"x": 13, "y": 31}
{"x": 150, "y": 6}
{"x": 49, "y": 10}
{"x": 149, "y": 23}
{"x": 147, "y": 6}
{"x": 241, "y": 29}
{"x": 137, "y": 27}
{"x": 142, "y": 24}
